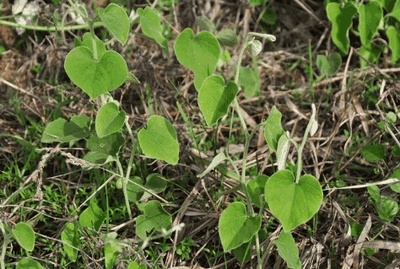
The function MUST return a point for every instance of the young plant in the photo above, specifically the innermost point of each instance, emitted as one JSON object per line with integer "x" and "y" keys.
{"x": 372, "y": 16}
{"x": 292, "y": 199}
{"x": 98, "y": 71}
{"x": 25, "y": 237}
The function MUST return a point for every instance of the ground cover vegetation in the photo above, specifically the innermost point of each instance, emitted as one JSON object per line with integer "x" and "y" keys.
{"x": 199, "y": 134}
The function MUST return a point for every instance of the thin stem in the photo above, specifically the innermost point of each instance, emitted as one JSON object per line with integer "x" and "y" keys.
{"x": 248, "y": 136}
{"x": 94, "y": 45}
{"x": 129, "y": 169}
{"x": 58, "y": 28}
{"x": 303, "y": 143}
{"x": 4, "y": 247}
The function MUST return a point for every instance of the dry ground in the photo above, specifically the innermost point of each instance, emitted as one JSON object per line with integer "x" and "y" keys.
{"x": 32, "y": 80}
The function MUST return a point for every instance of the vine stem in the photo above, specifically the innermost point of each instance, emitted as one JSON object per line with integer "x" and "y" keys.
{"x": 247, "y": 136}
{"x": 300, "y": 149}
{"x": 128, "y": 170}
{"x": 4, "y": 247}
{"x": 50, "y": 28}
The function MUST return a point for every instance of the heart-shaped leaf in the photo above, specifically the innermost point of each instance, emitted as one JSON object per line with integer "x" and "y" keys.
{"x": 288, "y": 250}
{"x": 198, "y": 53}
{"x": 103, "y": 150}
{"x": 227, "y": 37}
{"x": 235, "y": 227}
{"x": 95, "y": 77}
{"x": 255, "y": 188}
{"x": 215, "y": 98}
{"x": 116, "y": 21}
{"x": 24, "y": 235}
{"x": 273, "y": 129}
{"x": 395, "y": 187}
{"x": 293, "y": 204}
{"x": 373, "y": 152}
{"x": 151, "y": 25}
{"x": 341, "y": 19}
{"x": 27, "y": 263}
{"x": 155, "y": 183}
{"x": 394, "y": 42}
{"x": 62, "y": 131}
{"x": 87, "y": 41}
{"x": 395, "y": 12}
{"x": 249, "y": 80}
{"x": 109, "y": 120}
{"x": 70, "y": 238}
{"x": 328, "y": 66}
{"x": 135, "y": 189}
{"x": 154, "y": 217}
{"x": 92, "y": 217}
{"x": 159, "y": 140}
{"x": 370, "y": 16}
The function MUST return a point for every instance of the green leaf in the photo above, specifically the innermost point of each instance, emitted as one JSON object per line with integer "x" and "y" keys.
{"x": 282, "y": 151}
{"x": 198, "y": 53}
{"x": 135, "y": 265}
{"x": 257, "y": 2}
{"x": 155, "y": 183}
{"x": 387, "y": 4}
{"x": 293, "y": 204}
{"x": 205, "y": 24}
{"x": 135, "y": 189}
{"x": 217, "y": 160}
{"x": 395, "y": 13}
{"x": 154, "y": 218}
{"x": 273, "y": 129}
{"x": 227, "y": 37}
{"x": 387, "y": 208}
{"x": 70, "y": 238}
{"x": 373, "y": 153}
{"x": 87, "y": 41}
{"x": 369, "y": 54}
{"x": 110, "y": 255}
{"x": 159, "y": 140}
{"x": 393, "y": 35}
{"x": 109, "y": 120}
{"x": 62, "y": 131}
{"x": 395, "y": 187}
{"x": 116, "y": 21}
{"x": 235, "y": 227}
{"x": 255, "y": 47}
{"x": 269, "y": 16}
{"x": 255, "y": 188}
{"x": 341, "y": 20}
{"x": 215, "y": 98}
{"x": 92, "y": 217}
{"x": 249, "y": 80}
{"x": 27, "y": 263}
{"x": 102, "y": 150}
{"x": 151, "y": 25}
{"x": 244, "y": 252}
{"x": 374, "y": 192}
{"x": 93, "y": 76}
{"x": 24, "y": 235}
{"x": 288, "y": 250}
{"x": 370, "y": 16}
{"x": 328, "y": 66}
